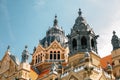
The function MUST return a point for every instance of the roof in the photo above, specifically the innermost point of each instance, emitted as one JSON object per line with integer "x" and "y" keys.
{"x": 44, "y": 73}
{"x": 105, "y": 60}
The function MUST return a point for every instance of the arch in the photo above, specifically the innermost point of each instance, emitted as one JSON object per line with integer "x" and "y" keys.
{"x": 58, "y": 51}
{"x": 39, "y": 58}
{"x": 54, "y": 51}
{"x": 54, "y": 56}
{"x": 50, "y": 51}
{"x": 74, "y": 44}
{"x": 84, "y": 42}
{"x": 51, "y": 56}
{"x": 58, "y": 55}
{"x": 92, "y": 43}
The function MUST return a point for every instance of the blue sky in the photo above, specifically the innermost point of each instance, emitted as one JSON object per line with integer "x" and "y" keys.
{"x": 25, "y": 22}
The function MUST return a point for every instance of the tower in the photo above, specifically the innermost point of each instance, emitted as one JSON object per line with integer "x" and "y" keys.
{"x": 82, "y": 37}
{"x": 116, "y": 55}
{"x": 51, "y": 49}
{"x": 24, "y": 67}
{"x": 84, "y": 62}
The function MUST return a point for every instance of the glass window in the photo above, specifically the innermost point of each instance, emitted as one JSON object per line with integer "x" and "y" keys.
{"x": 54, "y": 55}
{"x": 58, "y": 55}
{"x": 50, "y": 56}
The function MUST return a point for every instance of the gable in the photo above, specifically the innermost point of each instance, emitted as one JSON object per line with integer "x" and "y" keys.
{"x": 73, "y": 78}
{"x": 38, "y": 49}
{"x": 55, "y": 45}
{"x": 7, "y": 63}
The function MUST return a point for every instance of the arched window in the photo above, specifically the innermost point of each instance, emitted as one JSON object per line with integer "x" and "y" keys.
{"x": 92, "y": 43}
{"x": 39, "y": 58}
{"x": 58, "y": 55}
{"x": 50, "y": 55}
{"x": 74, "y": 44}
{"x": 84, "y": 42}
{"x": 54, "y": 55}
{"x": 58, "y": 51}
{"x": 50, "y": 51}
{"x": 36, "y": 59}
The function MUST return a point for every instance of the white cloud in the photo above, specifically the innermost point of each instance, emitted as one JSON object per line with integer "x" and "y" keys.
{"x": 39, "y": 3}
{"x": 113, "y": 23}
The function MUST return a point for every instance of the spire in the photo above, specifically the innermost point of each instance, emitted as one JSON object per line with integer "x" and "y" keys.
{"x": 46, "y": 43}
{"x": 8, "y": 48}
{"x": 79, "y": 12}
{"x": 55, "y": 21}
{"x": 34, "y": 49}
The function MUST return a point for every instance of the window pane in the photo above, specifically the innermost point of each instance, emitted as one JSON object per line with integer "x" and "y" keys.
{"x": 50, "y": 56}
{"x": 54, "y": 56}
{"x": 58, "y": 56}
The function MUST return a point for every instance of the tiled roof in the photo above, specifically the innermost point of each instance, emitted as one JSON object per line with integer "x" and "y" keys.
{"x": 105, "y": 60}
{"x": 44, "y": 73}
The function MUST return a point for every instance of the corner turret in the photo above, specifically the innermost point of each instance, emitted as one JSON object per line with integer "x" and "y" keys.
{"x": 82, "y": 37}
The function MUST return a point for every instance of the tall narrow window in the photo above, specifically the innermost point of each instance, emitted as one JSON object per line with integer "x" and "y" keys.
{"x": 58, "y": 55}
{"x": 54, "y": 55}
{"x": 50, "y": 55}
{"x": 92, "y": 43}
{"x": 84, "y": 42}
{"x": 74, "y": 44}
{"x": 38, "y": 58}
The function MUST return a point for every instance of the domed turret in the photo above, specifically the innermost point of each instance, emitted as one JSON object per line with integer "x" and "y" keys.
{"x": 82, "y": 37}
{"x": 80, "y": 23}
{"x": 54, "y": 33}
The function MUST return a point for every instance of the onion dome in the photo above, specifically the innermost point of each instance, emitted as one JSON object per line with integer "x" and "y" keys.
{"x": 54, "y": 33}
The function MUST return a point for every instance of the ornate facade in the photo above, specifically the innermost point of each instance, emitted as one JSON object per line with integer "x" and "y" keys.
{"x": 61, "y": 57}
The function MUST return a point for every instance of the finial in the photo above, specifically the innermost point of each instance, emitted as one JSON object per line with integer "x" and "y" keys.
{"x": 39, "y": 41}
{"x": 34, "y": 49}
{"x": 55, "y": 16}
{"x": 55, "y": 21}
{"x": 8, "y": 47}
{"x": 114, "y": 32}
{"x": 79, "y": 12}
{"x": 26, "y": 46}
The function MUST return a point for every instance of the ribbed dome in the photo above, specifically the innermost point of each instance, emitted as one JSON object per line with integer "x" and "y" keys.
{"x": 54, "y": 33}
{"x": 80, "y": 23}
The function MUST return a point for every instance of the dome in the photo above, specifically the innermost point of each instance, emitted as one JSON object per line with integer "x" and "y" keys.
{"x": 80, "y": 23}
{"x": 54, "y": 33}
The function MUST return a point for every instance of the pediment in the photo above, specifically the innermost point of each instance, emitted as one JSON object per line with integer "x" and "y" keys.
{"x": 6, "y": 63}
{"x": 74, "y": 76}
{"x": 55, "y": 45}
{"x": 38, "y": 49}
